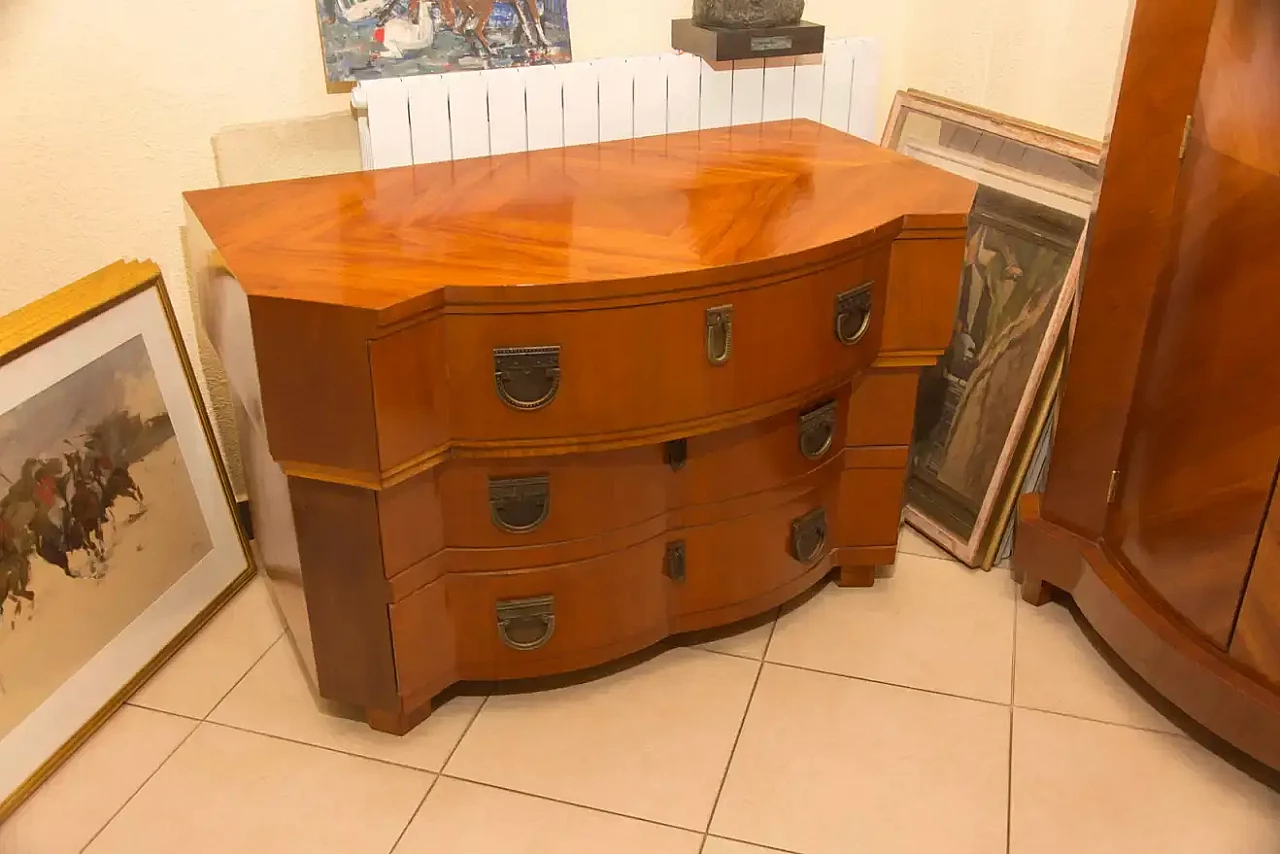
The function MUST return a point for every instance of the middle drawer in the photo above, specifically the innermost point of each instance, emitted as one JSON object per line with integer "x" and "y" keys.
{"x": 511, "y": 503}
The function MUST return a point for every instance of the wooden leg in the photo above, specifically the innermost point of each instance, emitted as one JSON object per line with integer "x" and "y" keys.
{"x": 856, "y": 576}
{"x": 1035, "y": 591}
{"x": 396, "y": 722}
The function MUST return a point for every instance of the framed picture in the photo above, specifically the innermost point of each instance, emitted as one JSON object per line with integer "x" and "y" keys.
{"x": 983, "y": 409}
{"x": 368, "y": 39}
{"x": 118, "y": 532}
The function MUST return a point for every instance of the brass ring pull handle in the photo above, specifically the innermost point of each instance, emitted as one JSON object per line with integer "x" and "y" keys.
{"x": 519, "y": 505}
{"x": 526, "y": 377}
{"x": 817, "y": 430}
{"x": 853, "y": 314}
{"x": 719, "y": 334}
{"x": 809, "y": 535}
{"x": 527, "y": 624}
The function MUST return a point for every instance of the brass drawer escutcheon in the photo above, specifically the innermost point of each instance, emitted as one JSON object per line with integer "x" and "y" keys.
{"x": 673, "y": 563}
{"x": 519, "y": 505}
{"x": 526, "y": 377}
{"x": 853, "y": 314}
{"x": 817, "y": 430}
{"x": 809, "y": 535}
{"x": 526, "y": 624}
{"x": 675, "y": 453}
{"x": 719, "y": 334}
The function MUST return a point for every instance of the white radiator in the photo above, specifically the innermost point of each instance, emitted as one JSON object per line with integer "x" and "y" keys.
{"x": 437, "y": 117}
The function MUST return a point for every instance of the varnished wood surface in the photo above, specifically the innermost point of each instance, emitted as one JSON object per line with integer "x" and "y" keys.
{"x": 711, "y": 200}
{"x": 1166, "y": 571}
{"x": 359, "y": 316}
{"x": 1125, "y": 254}
{"x": 594, "y": 494}
{"x": 1203, "y": 436}
{"x": 399, "y": 404}
{"x": 1255, "y": 641}
{"x": 1182, "y": 665}
{"x": 602, "y": 613}
{"x": 618, "y": 381}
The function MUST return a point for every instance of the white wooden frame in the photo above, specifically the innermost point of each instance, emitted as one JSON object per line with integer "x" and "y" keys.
{"x": 434, "y": 118}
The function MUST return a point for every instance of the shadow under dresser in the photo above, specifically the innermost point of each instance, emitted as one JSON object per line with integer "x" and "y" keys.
{"x": 527, "y": 414}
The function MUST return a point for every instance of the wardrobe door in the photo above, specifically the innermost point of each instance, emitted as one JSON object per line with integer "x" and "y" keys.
{"x": 1256, "y": 640}
{"x": 1204, "y": 431}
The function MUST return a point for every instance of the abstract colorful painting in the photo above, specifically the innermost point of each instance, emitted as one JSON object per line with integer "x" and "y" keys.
{"x": 368, "y": 39}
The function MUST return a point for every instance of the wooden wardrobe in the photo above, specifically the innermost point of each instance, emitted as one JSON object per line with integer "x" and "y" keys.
{"x": 1159, "y": 517}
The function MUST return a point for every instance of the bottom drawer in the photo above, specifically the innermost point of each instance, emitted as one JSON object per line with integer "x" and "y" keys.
{"x": 717, "y": 564}
{"x": 516, "y": 623}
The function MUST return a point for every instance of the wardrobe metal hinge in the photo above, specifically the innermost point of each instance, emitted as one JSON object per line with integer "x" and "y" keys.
{"x": 1111, "y": 487}
{"x": 1186, "y": 137}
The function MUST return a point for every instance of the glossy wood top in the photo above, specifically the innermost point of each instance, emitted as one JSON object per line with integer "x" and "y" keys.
{"x": 393, "y": 240}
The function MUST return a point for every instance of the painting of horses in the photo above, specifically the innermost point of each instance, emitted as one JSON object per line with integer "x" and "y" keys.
{"x": 97, "y": 519}
{"x": 368, "y": 39}
{"x": 118, "y": 530}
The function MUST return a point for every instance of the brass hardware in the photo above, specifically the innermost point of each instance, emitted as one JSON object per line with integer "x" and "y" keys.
{"x": 675, "y": 453}
{"x": 1112, "y": 486}
{"x": 809, "y": 535}
{"x": 674, "y": 560}
{"x": 526, "y": 377}
{"x": 519, "y": 505}
{"x": 1187, "y": 127}
{"x": 719, "y": 334}
{"x": 853, "y": 314}
{"x": 817, "y": 430}
{"x": 526, "y": 624}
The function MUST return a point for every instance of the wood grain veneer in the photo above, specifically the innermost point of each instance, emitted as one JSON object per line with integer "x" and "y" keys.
{"x": 359, "y": 316}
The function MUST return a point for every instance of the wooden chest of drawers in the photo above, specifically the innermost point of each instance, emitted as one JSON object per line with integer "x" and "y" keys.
{"x": 527, "y": 414}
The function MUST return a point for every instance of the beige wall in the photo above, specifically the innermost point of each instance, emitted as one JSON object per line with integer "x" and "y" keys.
{"x": 108, "y": 115}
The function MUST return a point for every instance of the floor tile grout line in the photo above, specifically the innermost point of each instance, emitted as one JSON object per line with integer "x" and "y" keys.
{"x": 280, "y": 637}
{"x": 753, "y": 844}
{"x": 171, "y": 753}
{"x": 141, "y": 786}
{"x": 413, "y": 815}
{"x": 339, "y": 751}
{"x": 1013, "y": 696}
{"x": 741, "y": 725}
{"x": 563, "y": 802}
{"x": 1001, "y": 703}
{"x": 480, "y": 708}
{"x": 436, "y": 777}
{"x": 1087, "y": 719}
{"x": 132, "y": 701}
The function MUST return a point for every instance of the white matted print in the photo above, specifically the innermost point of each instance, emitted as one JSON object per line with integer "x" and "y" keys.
{"x": 117, "y": 532}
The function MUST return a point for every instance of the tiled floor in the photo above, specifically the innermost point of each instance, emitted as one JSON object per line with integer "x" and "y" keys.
{"x": 932, "y": 713}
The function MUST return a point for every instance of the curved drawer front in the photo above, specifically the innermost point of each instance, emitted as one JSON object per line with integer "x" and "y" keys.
{"x": 624, "y": 374}
{"x": 620, "y": 372}
{"x": 533, "y": 622}
{"x": 507, "y": 504}
{"x": 745, "y": 558}
{"x": 552, "y": 619}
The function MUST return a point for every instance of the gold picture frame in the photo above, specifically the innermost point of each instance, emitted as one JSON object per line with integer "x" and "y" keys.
{"x": 82, "y": 334}
{"x": 983, "y": 409}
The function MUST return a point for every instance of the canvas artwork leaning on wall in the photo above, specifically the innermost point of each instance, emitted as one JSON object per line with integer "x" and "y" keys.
{"x": 985, "y": 409}
{"x": 368, "y": 39}
{"x": 117, "y": 531}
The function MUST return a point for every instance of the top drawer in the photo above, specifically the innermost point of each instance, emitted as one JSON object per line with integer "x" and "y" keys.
{"x": 622, "y": 374}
